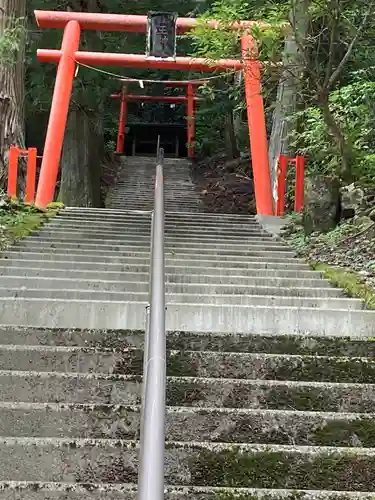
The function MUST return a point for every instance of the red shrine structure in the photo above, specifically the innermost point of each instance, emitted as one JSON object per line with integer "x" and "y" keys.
{"x": 190, "y": 100}
{"x": 69, "y": 56}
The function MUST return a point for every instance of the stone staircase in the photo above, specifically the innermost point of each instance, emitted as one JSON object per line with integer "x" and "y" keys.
{"x": 267, "y": 395}
{"x": 137, "y": 180}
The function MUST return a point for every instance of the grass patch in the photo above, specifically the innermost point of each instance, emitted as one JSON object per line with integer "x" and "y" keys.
{"x": 347, "y": 280}
{"x": 18, "y": 220}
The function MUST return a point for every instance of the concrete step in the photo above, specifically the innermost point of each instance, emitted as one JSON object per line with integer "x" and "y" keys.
{"x": 142, "y": 222}
{"x": 122, "y": 216}
{"x": 251, "y": 300}
{"x": 144, "y": 228}
{"x": 55, "y": 387}
{"x": 261, "y": 366}
{"x": 43, "y": 282}
{"x": 116, "y": 252}
{"x": 203, "y": 364}
{"x": 286, "y": 344}
{"x": 184, "y": 341}
{"x": 200, "y": 464}
{"x": 290, "y": 264}
{"x": 170, "y": 250}
{"x": 256, "y": 278}
{"x": 100, "y": 491}
{"x": 132, "y": 233}
{"x": 176, "y": 216}
{"x": 186, "y": 247}
{"x": 50, "y": 313}
{"x": 145, "y": 268}
{"x": 91, "y": 421}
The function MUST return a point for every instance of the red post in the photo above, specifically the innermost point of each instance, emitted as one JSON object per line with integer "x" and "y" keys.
{"x": 58, "y": 115}
{"x": 31, "y": 175}
{"x": 190, "y": 121}
{"x": 12, "y": 171}
{"x": 257, "y": 129}
{"x": 281, "y": 184}
{"x": 300, "y": 183}
{"x": 122, "y": 121}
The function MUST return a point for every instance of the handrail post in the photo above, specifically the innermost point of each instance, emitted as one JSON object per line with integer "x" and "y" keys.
{"x": 151, "y": 459}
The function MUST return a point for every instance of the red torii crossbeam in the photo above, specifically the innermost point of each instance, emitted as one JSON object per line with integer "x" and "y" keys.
{"x": 125, "y": 22}
{"x": 69, "y": 55}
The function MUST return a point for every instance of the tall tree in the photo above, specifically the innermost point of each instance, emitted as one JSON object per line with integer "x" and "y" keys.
{"x": 12, "y": 49}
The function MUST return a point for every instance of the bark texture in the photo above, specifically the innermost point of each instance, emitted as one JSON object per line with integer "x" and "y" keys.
{"x": 12, "y": 19}
{"x": 288, "y": 89}
{"x": 81, "y": 161}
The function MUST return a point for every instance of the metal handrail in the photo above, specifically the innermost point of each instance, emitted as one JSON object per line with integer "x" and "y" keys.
{"x": 152, "y": 437}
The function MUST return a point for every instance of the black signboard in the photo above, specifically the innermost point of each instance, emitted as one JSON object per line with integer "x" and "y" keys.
{"x": 161, "y": 34}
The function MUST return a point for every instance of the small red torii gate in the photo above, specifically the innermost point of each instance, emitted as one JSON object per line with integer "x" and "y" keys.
{"x": 69, "y": 55}
{"x": 190, "y": 99}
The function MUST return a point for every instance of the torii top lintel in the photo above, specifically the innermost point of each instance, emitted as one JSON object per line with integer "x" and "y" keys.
{"x": 124, "y": 22}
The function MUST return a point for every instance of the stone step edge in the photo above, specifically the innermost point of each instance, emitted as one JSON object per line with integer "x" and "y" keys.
{"x": 178, "y": 491}
{"x": 19, "y": 405}
{"x": 239, "y": 354}
{"x": 192, "y": 263}
{"x": 354, "y": 312}
{"x": 170, "y": 269}
{"x": 200, "y": 380}
{"x": 212, "y": 446}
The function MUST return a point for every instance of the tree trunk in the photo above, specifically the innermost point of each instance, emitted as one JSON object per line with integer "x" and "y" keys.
{"x": 286, "y": 102}
{"x": 338, "y": 138}
{"x": 12, "y": 18}
{"x": 231, "y": 147}
{"x": 81, "y": 161}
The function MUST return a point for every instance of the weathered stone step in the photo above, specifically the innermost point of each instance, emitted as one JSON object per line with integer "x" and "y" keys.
{"x": 199, "y": 464}
{"x": 108, "y": 268}
{"x": 145, "y": 226}
{"x": 43, "y": 246}
{"x": 204, "y": 364}
{"x": 224, "y": 342}
{"x": 285, "y": 344}
{"x": 207, "y": 218}
{"x": 182, "y": 298}
{"x": 171, "y": 246}
{"x": 286, "y": 427}
{"x": 61, "y": 359}
{"x": 55, "y": 387}
{"x": 51, "y": 283}
{"x": 260, "y": 366}
{"x": 14, "y": 490}
{"x": 50, "y": 313}
{"x": 251, "y": 278}
{"x": 132, "y": 239}
{"x": 145, "y": 231}
{"x": 118, "y": 260}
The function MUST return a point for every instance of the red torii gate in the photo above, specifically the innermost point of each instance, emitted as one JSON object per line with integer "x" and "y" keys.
{"x": 190, "y": 99}
{"x": 69, "y": 56}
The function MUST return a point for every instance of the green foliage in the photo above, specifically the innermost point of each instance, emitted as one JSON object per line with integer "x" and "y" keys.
{"x": 18, "y": 220}
{"x": 11, "y": 41}
{"x": 352, "y": 108}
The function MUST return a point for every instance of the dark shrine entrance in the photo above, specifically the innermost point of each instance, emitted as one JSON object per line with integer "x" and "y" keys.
{"x": 141, "y": 139}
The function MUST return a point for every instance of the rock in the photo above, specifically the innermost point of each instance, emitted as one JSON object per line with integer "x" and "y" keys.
{"x": 322, "y": 204}
{"x": 372, "y": 214}
{"x": 352, "y": 201}
{"x": 362, "y": 220}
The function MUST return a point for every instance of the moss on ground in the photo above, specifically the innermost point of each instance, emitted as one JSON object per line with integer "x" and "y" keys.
{"x": 18, "y": 220}
{"x": 358, "y": 432}
{"x": 272, "y": 469}
{"x": 349, "y": 281}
